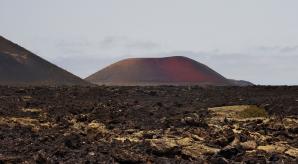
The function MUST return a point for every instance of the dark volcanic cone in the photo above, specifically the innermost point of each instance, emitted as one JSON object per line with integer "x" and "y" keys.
{"x": 175, "y": 70}
{"x": 21, "y": 67}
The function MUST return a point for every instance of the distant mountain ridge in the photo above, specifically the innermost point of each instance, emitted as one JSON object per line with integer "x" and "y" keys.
{"x": 175, "y": 70}
{"x": 20, "y": 67}
{"x": 241, "y": 82}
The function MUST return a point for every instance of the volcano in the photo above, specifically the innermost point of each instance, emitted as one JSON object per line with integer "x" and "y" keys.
{"x": 176, "y": 70}
{"x": 20, "y": 67}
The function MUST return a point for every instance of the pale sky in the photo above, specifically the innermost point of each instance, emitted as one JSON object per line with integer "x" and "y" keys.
{"x": 254, "y": 40}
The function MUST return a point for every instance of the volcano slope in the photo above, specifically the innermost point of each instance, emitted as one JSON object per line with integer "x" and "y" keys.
{"x": 149, "y": 124}
{"x": 21, "y": 67}
{"x": 175, "y": 70}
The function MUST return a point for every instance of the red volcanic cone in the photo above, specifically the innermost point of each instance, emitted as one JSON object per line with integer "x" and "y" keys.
{"x": 21, "y": 67}
{"x": 175, "y": 70}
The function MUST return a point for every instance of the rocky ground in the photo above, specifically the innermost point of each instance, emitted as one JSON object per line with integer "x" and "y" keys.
{"x": 149, "y": 125}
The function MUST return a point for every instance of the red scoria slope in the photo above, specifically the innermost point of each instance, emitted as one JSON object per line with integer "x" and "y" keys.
{"x": 20, "y": 67}
{"x": 176, "y": 70}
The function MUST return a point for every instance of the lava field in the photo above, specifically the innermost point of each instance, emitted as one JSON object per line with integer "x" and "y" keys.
{"x": 162, "y": 124}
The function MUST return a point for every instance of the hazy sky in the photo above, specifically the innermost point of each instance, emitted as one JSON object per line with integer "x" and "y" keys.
{"x": 254, "y": 40}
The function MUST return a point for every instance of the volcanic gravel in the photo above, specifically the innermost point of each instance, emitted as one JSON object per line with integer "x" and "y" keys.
{"x": 164, "y": 124}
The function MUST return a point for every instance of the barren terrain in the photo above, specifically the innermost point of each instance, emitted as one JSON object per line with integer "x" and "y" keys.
{"x": 20, "y": 67}
{"x": 173, "y": 70}
{"x": 149, "y": 124}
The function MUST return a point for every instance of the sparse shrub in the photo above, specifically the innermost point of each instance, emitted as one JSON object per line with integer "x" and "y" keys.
{"x": 253, "y": 111}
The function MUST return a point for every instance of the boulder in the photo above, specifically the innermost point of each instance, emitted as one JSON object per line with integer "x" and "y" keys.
{"x": 293, "y": 152}
{"x": 163, "y": 146}
{"x": 185, "y": 141}
{"x": 249, "y": 145}
{"x": 197, "y": 150}
{"x": 273, "y": 148}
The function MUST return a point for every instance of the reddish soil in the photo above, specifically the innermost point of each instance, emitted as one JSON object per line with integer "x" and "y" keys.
{"x": 175, "y": 70}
